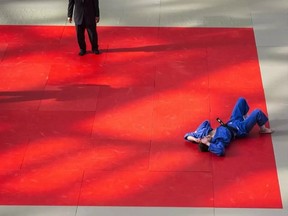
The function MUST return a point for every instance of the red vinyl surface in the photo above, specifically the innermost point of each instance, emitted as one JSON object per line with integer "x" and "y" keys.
{"x": 107, "y": 130}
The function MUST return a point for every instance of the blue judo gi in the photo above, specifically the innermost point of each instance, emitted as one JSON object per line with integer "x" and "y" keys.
{"x": 241, "y": 126}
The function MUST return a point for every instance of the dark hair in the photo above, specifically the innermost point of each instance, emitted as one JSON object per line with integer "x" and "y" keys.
{"x": 202, "y": 147}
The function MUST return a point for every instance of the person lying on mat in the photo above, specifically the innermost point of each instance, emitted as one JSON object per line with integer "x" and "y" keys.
{"x": 239, "y": 125}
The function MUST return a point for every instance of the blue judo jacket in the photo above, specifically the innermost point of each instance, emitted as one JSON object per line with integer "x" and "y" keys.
{"x": 218, "y": 143}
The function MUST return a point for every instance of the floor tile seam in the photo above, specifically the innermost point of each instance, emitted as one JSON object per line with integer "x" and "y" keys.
{"x": 138, "y": 170}
{"x": 178, "y": 171}
{"x": 62, "y": 33}
{"x": 173, "y": 26}
{"x": 80, "y": 190}
{"x": 135, "y": 26}
{"x": 4, "y": 54}
{"x": 150, "y": 148}
{"x": 268, "y": 28}
{"x": 44, "y": 88}
{"x": 271, "y": 46}
{"x": 213, "y": 211}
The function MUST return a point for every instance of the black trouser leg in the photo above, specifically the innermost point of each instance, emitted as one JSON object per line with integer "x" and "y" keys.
{"x": 80, "y": 30}
{"x": 93, "y": 36}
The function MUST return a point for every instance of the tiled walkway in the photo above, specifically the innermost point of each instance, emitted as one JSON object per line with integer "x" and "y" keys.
{"x": 108, "y": 130}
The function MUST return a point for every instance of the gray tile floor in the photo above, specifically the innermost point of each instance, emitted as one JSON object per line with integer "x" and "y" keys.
{"x": 269, "y": 20}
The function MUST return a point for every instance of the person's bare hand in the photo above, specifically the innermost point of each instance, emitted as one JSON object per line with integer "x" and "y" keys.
{"x": 69, "y": 19}
{"x": 97, "y": 19}
{"x": 206, "y": 140}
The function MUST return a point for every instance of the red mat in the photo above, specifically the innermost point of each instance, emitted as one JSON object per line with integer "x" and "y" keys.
{"x": 108, "y": 130}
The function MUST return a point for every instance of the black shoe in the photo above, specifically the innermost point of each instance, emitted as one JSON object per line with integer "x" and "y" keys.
{"x": 82, "y": 52}
{"x": 96, "y": 52}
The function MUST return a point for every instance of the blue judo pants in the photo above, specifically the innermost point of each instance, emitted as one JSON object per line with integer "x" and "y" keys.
{"x": 244, "y": 126}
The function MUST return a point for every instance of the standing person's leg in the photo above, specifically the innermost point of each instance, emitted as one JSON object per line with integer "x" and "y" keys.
{"x": 93, "y": 37}
{"x": 240, "y": 109}
{"x": 259, "y": 118}
{"x": 80, "y": 30}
